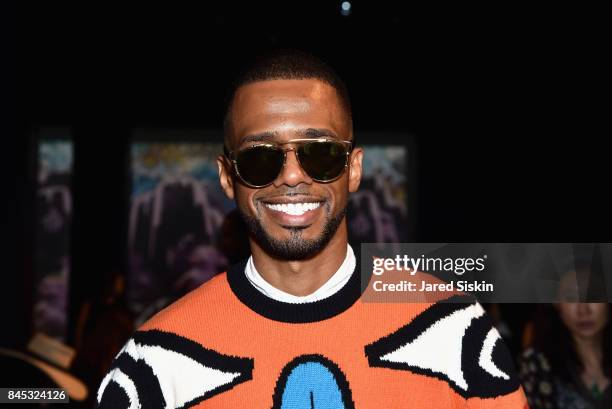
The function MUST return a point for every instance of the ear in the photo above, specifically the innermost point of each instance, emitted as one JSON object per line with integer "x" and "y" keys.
{"x": 225, "y": 175}
{"x": 355, "y": 169}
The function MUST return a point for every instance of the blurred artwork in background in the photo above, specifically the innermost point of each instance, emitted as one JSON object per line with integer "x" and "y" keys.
{"x": 377, "y": 212}
{"x": 53, "y": 224}
{"x": 183, "y": 230}
{"x": 177, "y": 210}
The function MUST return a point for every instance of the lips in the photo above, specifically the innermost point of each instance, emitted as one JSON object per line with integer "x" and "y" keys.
{"x": 585, "y": 324}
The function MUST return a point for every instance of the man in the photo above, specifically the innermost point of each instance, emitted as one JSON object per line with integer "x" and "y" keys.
{"x": 286, "y": 328}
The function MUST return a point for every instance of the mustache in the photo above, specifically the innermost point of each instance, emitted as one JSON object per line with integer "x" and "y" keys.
{"x": 288, "y": 191}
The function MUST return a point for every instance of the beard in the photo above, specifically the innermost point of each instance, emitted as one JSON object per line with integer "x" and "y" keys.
{"x": 295, "y": 247}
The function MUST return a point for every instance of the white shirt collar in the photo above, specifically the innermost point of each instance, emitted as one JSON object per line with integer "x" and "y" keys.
{"x": 331, "y": 286}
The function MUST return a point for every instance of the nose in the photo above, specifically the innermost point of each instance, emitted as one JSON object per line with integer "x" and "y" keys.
{"x": 584, "y": 309}
{"x": 292, "y": 173}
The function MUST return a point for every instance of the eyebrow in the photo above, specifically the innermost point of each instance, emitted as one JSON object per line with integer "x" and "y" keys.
{"x": 317, "y": 133}
{"x": 258, "y": 137}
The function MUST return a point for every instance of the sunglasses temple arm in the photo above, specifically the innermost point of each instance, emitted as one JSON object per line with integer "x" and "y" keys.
{"x": 226, "y": 152}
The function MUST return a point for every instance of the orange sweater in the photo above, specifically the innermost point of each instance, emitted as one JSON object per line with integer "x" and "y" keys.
{"x": 225, "y": 345}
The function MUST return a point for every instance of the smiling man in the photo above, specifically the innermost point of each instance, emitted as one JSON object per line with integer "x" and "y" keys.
{"x": 286, "y": 328}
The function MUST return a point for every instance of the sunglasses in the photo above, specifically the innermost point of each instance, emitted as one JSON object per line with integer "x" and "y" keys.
{"x": 323, "y": 159}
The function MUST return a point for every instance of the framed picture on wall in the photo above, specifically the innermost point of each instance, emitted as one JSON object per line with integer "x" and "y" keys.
{"x": 383, "y": 210}
{"x": 54, "y": 158}
{"x": 177, "y": 216}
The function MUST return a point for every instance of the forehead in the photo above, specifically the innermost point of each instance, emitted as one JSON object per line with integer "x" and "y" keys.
{"x": 286, "y": 106}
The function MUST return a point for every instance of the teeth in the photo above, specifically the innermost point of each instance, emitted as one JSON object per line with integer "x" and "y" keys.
{"x": 294, "y": 209}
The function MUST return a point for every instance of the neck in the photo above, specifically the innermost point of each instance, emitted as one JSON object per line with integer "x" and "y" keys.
{"x": 302, "y": 277}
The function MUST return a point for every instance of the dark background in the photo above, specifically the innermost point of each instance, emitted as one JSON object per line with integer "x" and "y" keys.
{"x": 503, "y": 105}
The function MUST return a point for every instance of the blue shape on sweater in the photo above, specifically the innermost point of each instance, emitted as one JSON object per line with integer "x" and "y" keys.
{"x": 312, "y": 385}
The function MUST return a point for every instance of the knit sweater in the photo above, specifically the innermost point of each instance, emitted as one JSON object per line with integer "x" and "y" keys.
{"x": 226, "y": 345}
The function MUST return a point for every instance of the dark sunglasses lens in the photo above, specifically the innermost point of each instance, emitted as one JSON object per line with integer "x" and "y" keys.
{"x": 323, "y": 161}
{"x": 260, "y": 165}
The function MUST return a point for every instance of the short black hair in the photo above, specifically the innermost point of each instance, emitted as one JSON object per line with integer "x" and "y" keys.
{"x": 286, "y": 64}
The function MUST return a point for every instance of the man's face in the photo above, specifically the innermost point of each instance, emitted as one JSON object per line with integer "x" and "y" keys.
{"x": 278, "y": 111}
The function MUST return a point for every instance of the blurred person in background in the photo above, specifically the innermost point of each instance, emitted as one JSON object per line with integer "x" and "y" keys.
{"x": 570, "y": 362}
{"x": 104, "y": 325}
